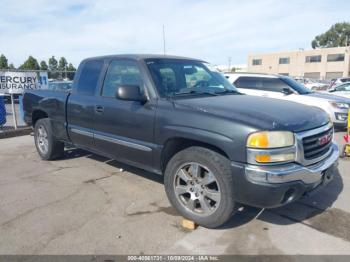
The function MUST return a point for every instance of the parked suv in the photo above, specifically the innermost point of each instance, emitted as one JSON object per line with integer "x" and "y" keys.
{"x": 177, "y": 117}
{"x": 286, "y": 88}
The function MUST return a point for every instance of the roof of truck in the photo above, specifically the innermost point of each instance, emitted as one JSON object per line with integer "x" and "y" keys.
{"x": 141, "y": 57}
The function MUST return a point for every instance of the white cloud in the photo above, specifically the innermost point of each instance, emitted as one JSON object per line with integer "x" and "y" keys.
{"x": 208, "y": 29}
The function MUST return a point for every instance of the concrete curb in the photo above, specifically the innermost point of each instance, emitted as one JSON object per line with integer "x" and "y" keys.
{"x": 18, "y": 132}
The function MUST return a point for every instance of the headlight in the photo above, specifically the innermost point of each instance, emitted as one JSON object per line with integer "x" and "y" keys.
{"x": 272, "y": 139}
{"x": 340, "y": 105}
{"x": 270, "y": 147}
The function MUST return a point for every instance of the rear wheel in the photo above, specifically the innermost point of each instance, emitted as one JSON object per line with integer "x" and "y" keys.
{"x": 198, "y": 182}
{"x": 46, "y": 144}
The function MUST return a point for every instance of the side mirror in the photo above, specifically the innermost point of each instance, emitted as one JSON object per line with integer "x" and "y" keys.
{"x": 130, "y": 93}
{"x": 287, "y": 91}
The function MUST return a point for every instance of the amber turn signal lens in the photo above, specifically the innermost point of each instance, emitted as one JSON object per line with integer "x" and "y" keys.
{"x": 258, "y": 140}
{"x": 263, "y": 158}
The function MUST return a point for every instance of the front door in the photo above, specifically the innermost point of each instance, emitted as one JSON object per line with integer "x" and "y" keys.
{"x": 124, "y": 129}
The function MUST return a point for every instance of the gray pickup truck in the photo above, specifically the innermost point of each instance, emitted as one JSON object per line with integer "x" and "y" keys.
{"x": 178, "y": 117}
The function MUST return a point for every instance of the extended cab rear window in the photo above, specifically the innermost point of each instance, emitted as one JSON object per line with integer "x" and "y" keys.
{"x": 89, "y": 76}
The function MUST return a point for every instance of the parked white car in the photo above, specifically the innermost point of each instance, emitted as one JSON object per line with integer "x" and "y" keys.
{"x": 339, "y": 81}
{"x": 341, "y": 90}
{"x": 286, "y": 88}
{"x": 312, "y": 84}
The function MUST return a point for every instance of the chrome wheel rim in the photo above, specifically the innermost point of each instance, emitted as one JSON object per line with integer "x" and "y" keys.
{"x": 42, "y": 140}
{"x": 197, "y": 189}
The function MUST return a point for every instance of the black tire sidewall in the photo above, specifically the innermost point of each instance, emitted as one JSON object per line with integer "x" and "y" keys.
{"x": 220, "y": 166}
{"x": 45, "y": 123}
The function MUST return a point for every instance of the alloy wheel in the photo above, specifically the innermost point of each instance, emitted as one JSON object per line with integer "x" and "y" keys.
{"x": 197, "y": 189}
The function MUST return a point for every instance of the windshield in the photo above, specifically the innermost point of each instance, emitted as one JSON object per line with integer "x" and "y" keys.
{"x": 299, "y": 88}
{"x": 178, "y": 78}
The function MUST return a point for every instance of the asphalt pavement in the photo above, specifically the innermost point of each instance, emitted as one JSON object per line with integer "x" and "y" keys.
{"x": 87, "y": 204}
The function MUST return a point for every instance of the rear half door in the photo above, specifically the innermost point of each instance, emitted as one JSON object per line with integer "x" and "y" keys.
{"x": 81, "y": 104}
{"x": 124, "y": 129}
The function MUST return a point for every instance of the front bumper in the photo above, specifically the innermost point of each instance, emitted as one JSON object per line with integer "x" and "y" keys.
{"x": 273, "y": 186}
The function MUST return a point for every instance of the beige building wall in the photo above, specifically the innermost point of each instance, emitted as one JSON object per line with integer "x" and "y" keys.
{"x": 298, "y": 67}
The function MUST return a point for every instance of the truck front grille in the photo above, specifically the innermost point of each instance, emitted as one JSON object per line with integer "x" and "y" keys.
{"x": 317, "y": 145}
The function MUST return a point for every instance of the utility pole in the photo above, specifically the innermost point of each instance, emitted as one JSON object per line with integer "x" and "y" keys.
{"x": 163, "y": 39}
{"x": 229, "y": 65}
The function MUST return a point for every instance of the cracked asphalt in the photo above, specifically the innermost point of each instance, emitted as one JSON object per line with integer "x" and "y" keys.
{"x": 87, "y": 204}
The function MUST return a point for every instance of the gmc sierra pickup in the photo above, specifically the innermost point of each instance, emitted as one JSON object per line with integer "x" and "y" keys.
{"x": 179, "y": 117}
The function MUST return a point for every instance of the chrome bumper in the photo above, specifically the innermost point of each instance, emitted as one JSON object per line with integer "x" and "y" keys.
{"x": 293, "y": 172}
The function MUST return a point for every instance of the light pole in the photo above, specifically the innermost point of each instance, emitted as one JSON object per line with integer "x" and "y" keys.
{"x": 229, "y": 65}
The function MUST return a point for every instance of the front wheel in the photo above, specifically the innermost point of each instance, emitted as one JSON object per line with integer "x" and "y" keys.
{"x": 199, "y": 184}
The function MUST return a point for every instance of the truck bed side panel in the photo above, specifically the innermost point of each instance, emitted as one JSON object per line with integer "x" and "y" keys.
{"x": 50, "y": 103}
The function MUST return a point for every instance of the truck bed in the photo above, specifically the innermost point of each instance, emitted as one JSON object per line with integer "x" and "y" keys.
{"x": 48, "y": 102}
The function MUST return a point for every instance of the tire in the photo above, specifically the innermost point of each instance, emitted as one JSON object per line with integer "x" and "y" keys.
{"x": 218, "y": 195}
{"x": 47, "y": 146}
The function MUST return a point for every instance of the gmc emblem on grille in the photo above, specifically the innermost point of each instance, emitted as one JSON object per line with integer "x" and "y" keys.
{"x": 324, "y": 139}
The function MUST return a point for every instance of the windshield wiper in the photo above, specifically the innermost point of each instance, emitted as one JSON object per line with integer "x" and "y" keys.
{"x": 228, "y": 92}
{"x": 196, "y": 92}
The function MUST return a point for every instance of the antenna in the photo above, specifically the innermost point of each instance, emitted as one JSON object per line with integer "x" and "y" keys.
{"x": 163, "y": 39}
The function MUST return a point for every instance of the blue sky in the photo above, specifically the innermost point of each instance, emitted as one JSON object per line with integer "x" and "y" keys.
{"x": 207, "y": 29}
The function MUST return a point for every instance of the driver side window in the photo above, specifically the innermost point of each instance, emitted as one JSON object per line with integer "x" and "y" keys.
{"x": 121, "y": 72}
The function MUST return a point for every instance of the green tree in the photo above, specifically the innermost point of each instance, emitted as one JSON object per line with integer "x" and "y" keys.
{"x": 3, "y": 62}
{"x": 62, "y": 67}
{"x": 53, "y": 64}
{"x": 53, "y": 67}
{"x": 71, "y": 71}
{"x": 62, "y": 64}
{"x": 71, "y": 67}
{"x": 30, "y": 64}
{"x": 337, "y": 35}
{"x": 43, "y": 65}
{"x": 11, "y": 66}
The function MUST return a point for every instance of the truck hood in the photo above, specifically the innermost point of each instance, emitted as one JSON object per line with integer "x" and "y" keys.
{"x": 258, "y": 112}
{"x": 328, "y": 97}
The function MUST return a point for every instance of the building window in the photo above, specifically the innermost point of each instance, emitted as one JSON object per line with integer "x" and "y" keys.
{"x": 284, "y": 60}
{"x": 335, "y": 58}
{"x": 332, "y": 75}
{"x": 313, "y": 75}
{"x": 313, "y": 59}
{"x": 257, "y": 61}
